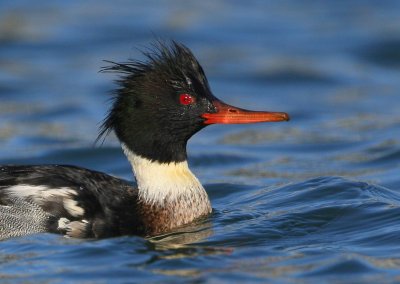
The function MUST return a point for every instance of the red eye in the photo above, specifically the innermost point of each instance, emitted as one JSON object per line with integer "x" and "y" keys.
{"x": 186, "y": 99}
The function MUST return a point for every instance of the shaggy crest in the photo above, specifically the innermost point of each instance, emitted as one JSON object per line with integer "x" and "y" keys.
{"x": 172, "y": 63}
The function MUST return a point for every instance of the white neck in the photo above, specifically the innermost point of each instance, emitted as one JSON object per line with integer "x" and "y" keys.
{"x": 160, "y": 183}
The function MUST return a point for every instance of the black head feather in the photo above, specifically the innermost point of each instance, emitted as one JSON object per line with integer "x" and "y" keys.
{"x": 146, "y": 113}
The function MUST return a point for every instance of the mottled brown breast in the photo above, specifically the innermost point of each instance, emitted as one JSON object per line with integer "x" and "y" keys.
{"x": 158, "y": 219}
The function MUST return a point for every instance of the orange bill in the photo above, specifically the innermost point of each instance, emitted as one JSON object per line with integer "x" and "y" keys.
{"x": 227, "y": 114}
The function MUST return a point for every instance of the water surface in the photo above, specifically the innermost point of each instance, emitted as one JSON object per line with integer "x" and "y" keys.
{"x": 315, "y": 200}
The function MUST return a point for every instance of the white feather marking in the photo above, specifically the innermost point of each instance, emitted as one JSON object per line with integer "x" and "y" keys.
{"x": 40, "y": 194}
{"x": 72, "y": 207}
{"x": 163, "y": 182}
{"x": 188, "y": 81}
{"x": 63, "y": 223}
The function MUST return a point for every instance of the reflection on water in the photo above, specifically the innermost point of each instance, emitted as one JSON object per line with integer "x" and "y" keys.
{"x": 185, "y": 237}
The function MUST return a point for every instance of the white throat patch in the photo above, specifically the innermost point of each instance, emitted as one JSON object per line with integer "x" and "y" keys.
{"x": 163, "y": 182}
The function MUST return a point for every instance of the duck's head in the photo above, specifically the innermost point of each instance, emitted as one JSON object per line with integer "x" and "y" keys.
{"x": 162, "y": 101}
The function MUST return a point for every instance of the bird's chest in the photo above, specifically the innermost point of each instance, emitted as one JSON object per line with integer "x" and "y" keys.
{"x": 157, "y": 219}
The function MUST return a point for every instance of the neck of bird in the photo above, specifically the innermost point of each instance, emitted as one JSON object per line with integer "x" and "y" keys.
{"x": 171, "y": 184}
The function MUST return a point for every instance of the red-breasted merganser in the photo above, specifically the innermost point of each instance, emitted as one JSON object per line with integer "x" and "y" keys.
{"x": 159, "y": 104}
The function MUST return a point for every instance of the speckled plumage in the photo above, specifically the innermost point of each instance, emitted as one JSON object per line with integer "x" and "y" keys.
{"x": 20, "y": 217}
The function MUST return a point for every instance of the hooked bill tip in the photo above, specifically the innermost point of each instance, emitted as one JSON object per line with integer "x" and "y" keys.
{"x": 285, "y": 116}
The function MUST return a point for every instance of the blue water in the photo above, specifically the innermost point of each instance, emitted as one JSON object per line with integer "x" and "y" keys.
{"x": 314, "y": 200}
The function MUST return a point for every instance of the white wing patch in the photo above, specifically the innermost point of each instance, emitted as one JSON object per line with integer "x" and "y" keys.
{"x": 40, "y": 194}
{"x": 73, "y": 208}
{"x": 63, "y": 224}
{"x": 75, "y": 229}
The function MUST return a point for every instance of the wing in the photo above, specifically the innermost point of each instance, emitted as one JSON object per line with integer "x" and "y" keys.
{"x": 64, "y": 199}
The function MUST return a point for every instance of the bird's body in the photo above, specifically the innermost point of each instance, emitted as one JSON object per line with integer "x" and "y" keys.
{"x": 159, "y": 105}
{"x": 87, "y": 204}
{"x": 64, "y": 199}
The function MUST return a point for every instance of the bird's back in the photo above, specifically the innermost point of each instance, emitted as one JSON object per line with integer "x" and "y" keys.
{"x": 65, "y": 199}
